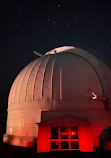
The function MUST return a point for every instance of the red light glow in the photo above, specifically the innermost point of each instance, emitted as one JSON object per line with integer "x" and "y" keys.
{"x": 80, "y": 133}
{"x": 64, "y": 133}
{"x": 73, "y": 133}
{"x": 56, "y": 143}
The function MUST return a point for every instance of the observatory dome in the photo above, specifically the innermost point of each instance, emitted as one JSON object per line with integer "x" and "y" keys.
{"x": 61, "y": 80}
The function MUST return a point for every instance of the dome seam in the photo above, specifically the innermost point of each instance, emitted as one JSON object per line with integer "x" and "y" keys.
{"x": 23, "y": 71}
{"x": 24, "y": 77}
{"x": 36, "y": 77}
{"x": 29, "y": 78}
{"x": 48, "y": 62}
{"x": 44, "y": 76}
{"x": 51, "y": 95}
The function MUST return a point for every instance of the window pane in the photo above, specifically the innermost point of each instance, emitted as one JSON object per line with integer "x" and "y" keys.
{"x": 64, "y": 145}
{"x": 54, "y": 132}
{"x": 109, "y": 129}
{"x": 74, "y": 132}
{"x": 74, "y": 145}
{"x": 64, "y": 132}
{"x": 54, "y": 144}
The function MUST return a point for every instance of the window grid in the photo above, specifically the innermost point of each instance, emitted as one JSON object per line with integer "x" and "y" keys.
{"x": 69, "y": 139}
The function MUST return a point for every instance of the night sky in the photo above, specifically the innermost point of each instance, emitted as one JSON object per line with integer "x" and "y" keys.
{"x": 28, "y": 25}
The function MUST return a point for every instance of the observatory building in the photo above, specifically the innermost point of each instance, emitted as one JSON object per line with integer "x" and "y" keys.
{"x": 60, "y": 101}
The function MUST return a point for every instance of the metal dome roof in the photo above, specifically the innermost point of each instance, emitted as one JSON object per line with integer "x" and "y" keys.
{"x": 62, "y": 73}
{"x": 60, "y": 49}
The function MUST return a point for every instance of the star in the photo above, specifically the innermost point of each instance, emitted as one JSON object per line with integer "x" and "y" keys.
{"x": 19, "y": 14}
{"x": 108, "y": 46}
{"x": 58, "y": 5}
{"x": 67, "y": 25}
{"x": 75, "y": 18}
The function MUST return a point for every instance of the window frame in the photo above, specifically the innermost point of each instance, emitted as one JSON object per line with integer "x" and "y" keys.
{"x": 69, "y": 138}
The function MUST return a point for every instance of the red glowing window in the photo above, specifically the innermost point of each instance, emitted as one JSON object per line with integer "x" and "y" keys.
{"x": 64, "y": 138}
{"x": 54, "y": 144}
{"x": 74, "y": 144}
{"x": 64, "y": 145}
{"x": 73, "y": 132}
{"x": 54, "y": 132}
{"x": 64, "y": 132}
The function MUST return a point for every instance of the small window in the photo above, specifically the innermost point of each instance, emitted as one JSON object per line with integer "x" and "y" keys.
{"x": 54, "y": 132}
{"x": 64, "y": 145}
{"x": 109, "y": 129}
{"x": 64, "y": 132}
{"x": 74, "y": 132}
{"x": 54, "y": 144}
{"x": 74, "y": 145}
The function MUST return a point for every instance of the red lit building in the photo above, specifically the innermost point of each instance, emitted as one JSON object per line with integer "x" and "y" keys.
{"x": 63, "y": 100}
{"x": 64, "y": 132}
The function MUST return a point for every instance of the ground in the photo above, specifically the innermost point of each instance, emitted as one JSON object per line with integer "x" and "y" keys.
{"x": 7, "y": 151}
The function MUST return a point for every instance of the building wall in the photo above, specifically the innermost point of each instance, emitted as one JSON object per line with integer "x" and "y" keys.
{"x": 44, "y": 139}
{"x": 62, "y": 81}
{"x": 25, "y": 123}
